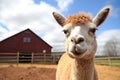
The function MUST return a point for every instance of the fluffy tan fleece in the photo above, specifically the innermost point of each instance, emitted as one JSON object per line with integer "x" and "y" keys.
{"x": 78, "y": 19}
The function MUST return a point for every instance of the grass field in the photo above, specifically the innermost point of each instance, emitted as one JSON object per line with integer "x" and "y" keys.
{"x": 111, "y": 62}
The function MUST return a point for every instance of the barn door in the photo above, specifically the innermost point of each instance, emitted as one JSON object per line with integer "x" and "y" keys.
{"x": 25, "y": 57}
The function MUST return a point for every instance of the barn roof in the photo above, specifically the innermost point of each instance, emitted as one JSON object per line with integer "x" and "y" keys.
{"x": 29, "y": 31}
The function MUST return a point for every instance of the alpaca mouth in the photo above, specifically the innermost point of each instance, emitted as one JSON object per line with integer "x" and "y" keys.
{"x": 77, "y": 54}
{"x": 77, "y": 50}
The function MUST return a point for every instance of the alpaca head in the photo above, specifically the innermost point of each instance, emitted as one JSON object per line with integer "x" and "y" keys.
{"x": 80, "y": 32}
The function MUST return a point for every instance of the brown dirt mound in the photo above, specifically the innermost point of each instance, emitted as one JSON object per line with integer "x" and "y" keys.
{"x": 47, "y": 72}
{"x": 29, "y": 73}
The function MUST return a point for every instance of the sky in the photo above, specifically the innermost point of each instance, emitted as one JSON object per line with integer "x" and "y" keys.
{"x": 18, "y": 15}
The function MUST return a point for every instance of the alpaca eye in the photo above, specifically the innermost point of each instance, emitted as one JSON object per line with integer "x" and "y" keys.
{"x": 92, "y": 30}
{"x": 65, "y": 31}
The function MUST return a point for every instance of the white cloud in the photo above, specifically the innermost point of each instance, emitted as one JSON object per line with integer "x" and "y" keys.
{"x": 63, "y": 4}
{"x": 19, "y": 15}
{"x": 56, "y": 38}
{"x": 104, "y": 37}
{"x": 25, "y": 13}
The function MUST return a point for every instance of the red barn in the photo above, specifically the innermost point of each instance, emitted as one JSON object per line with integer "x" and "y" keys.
{"x": 25, "y": 42}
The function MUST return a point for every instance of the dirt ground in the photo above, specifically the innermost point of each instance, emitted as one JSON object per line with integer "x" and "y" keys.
{"x": 47, "y": 72}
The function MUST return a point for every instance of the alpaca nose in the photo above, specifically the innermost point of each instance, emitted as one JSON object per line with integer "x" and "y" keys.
{"x": 77, "y": 40}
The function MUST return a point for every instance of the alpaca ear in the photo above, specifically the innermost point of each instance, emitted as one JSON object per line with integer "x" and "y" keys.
{"x": 101, "y": 16}
{"x": 59, "y": 18}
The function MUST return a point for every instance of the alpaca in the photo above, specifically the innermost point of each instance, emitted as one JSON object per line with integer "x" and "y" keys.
{"x": 78, "y": 61}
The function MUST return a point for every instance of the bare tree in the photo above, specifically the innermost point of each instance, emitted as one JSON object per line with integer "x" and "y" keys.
{"x": 110, "y": 48}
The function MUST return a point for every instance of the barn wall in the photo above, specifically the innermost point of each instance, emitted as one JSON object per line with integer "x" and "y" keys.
{"x": 16, "y": 43}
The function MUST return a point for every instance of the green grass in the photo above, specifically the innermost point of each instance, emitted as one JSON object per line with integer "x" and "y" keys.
{"x": 112, "y": 62}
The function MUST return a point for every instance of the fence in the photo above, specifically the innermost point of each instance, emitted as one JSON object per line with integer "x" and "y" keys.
{"x": 111, "y": 61}
{"x": 49, "y": 58}
{"x": 28, "y": 58}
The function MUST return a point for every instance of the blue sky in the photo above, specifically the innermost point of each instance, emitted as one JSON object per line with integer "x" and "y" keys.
{"x": 18, "y": 15}
{"x": 93, "y": 7}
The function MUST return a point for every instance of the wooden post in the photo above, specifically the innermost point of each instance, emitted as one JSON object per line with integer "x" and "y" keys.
{"x": 109, "y": 61}
{"x": 32, "y": 57}
{"x": 44, "y": 58}
{"x": 54, "y": 59}
{"x": 17, "y": 58}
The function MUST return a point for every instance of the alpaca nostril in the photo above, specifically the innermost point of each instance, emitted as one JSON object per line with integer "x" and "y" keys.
{"x": 72, "y": 40}
{"x": 79, "y": 40}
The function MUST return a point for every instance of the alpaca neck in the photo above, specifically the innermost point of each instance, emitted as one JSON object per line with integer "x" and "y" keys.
{"x": 82, "y": 69}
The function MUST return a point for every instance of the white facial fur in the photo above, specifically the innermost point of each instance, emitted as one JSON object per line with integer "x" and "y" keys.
{"x": 80, "y": 41}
